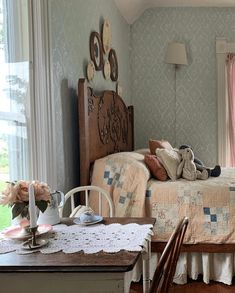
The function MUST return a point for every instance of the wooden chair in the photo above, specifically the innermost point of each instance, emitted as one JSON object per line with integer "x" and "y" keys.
{"x": 101, "y": 193}
{"x": 163, "y": 276}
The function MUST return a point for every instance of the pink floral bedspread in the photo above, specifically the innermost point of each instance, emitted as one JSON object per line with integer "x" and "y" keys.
{"x": 209, "y": 204}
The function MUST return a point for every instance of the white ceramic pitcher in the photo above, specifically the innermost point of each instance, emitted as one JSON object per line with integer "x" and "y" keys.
{"x": 51, "y": 215}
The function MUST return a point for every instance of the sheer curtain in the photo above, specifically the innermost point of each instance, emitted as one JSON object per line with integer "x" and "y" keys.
{"x": 231, "y": 109}
{"x": 14, "y": 88}
{"x": 25, "y": 91}
{"x": 14, "y": 96}
{"x": 27, "y": 136}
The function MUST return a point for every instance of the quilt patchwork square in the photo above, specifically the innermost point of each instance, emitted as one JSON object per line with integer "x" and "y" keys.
{"x": 216, "y": 220}
{"x": 232, "y": 193}
{"x": 124, "y": 196}
{"x": 166, "y": 216}
{"x": 190, "y": 196}
{"x": 148, "y": 193}
{"x": 112, "y": 175}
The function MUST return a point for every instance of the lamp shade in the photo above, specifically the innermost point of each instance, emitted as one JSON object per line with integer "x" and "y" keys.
{"x": 176, "y": 54}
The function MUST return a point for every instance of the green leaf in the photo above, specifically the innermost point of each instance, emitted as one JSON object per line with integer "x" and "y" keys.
{"x": 42, "y": 205}
{"x": 25, "y": 212}
{"x": 18, "y": 209}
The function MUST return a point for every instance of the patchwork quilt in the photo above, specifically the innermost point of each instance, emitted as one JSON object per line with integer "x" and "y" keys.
{"x": 125, "y": 176}
{"x": 209, "y": 204}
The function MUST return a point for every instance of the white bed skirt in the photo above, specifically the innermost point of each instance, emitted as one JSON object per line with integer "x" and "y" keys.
{"x": 218, "y": 267}
{"x": 212, "y": 266}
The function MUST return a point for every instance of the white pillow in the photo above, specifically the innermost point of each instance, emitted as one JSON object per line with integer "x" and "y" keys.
{"x": 142, "y": 151}
{"x": 170, "y": 160}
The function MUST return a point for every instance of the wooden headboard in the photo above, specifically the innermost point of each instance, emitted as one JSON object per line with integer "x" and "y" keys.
{"x": 106, "y": 126}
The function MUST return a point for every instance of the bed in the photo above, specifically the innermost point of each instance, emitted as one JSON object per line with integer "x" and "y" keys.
{"x": 106, "y": 134}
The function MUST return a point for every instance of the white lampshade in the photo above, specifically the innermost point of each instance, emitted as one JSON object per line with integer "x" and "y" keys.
{"x": 176, "y": 54}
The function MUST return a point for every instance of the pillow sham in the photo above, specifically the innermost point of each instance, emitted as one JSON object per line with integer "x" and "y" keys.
{"x": 158, "y": 144}
{"x": 155, "y": 167}
{"x": 170, "y": 160}
{"x": 142, "y": 151}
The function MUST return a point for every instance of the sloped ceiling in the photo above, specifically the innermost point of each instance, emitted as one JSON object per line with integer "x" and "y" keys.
{"x": 132, "y": 9}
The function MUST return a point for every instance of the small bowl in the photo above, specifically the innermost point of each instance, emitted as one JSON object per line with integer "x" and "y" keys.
{"x": 86, "y": 217}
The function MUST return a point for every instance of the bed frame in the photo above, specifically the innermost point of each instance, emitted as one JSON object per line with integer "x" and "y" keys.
{"x": 106, "y": 126}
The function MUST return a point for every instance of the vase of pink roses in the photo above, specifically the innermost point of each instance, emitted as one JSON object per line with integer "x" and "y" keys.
{"x": 16, "y": 195}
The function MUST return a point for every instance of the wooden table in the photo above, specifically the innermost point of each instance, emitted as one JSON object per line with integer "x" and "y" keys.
{"x": 77, "y": 272}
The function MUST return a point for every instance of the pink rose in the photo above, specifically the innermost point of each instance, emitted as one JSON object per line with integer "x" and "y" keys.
{"x": 42, "y": 191}
{"x": 21, "y": 189}
{"x": 18, "y": 192}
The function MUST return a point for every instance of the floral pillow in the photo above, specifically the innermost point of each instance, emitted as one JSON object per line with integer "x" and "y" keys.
{"x": 159, "y": 144}
{"x": 155, "y": 167}
{"x": 170, "y": 160}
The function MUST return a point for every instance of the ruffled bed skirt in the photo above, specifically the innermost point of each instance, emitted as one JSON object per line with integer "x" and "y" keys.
{"x": 218, "y": 267}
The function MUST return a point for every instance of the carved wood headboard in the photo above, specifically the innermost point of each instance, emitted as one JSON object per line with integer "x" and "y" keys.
{"x": 106, "y": 126}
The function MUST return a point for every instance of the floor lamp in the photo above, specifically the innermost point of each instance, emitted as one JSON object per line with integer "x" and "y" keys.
{"x": 176, "y": 54}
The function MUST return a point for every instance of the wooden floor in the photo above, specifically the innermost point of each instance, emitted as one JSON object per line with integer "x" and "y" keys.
{"x": 193, "y": 287}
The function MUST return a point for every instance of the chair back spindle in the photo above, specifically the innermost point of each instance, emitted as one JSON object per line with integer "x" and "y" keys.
{"x": 100, "y": 203}
{"x": 101, "y": 194}
{"x": 86, "y": 197}
{"x": 164, "y": 273}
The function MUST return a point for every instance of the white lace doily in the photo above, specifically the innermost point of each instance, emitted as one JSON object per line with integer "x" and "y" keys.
{"x": 89, "y": 239}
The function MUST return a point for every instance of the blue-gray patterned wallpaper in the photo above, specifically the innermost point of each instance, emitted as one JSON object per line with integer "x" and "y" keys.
{"x": 148, "y": 83}
{"x": 71, "y": 22}
{"x": 153, "y": 92}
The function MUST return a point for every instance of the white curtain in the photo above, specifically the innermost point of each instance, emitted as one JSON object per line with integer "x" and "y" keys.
{"x": 26, "y": 107}
{"x": 14, "y": 86}
{"x": 225, "y": 90}
{"x": 231, "y": 109}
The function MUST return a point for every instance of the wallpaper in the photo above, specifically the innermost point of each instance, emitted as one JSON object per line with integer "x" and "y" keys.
{"x": 71, "y": 22}
{"x": 185, "y": 115}
{"x": 189, "y": 114}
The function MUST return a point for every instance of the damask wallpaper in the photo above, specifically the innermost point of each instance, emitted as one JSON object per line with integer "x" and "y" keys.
{"x": 71, "y": 22}
{"x": 189, "y": 117}
{"x": 153, "y": 95}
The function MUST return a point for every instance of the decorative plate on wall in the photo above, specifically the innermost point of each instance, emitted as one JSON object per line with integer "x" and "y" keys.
{"x": 96, "y": 50}
{"x": 106, "y": 69}
{"x": 106, "y": 36}
{"x": 90, "y": 71}
{"x": 113, "y": 64}
{"x": 119, "y": 89}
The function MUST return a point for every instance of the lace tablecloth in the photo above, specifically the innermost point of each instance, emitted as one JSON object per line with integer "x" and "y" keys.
{"x": 89, "y": 239}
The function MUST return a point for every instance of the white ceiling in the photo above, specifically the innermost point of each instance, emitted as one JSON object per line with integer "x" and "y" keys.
{"x": 132, "y": 9}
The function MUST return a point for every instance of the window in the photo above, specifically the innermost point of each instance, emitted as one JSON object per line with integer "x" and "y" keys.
{"x": 27, "y": 136}
{"x": 14, "y": 95}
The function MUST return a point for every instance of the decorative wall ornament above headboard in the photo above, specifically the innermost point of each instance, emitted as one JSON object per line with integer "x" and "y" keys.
{"x": 106, "y": 69}
{"x": 102, "y": 55}
{"x": 113, "y": 64}
{"x": 106, "y": 36}
{"x": 96, "y": 50}
{"x": 90, "y": 70}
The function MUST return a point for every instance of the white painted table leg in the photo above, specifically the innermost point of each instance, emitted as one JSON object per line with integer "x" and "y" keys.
{"x": 146, "y": 255}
